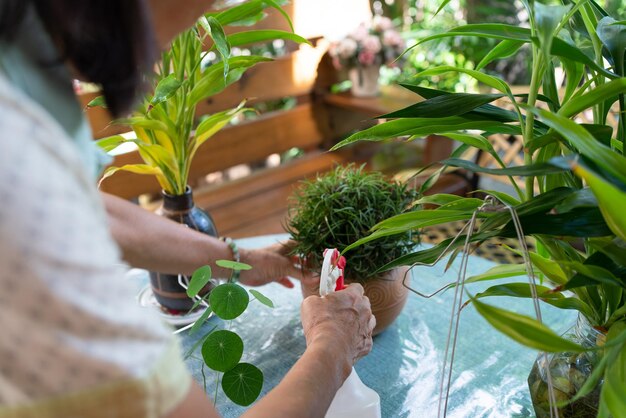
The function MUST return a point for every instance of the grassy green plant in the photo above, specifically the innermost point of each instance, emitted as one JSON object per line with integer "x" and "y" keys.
{"x": 167, "y": 136}
{"x": 339, "y": 207}
{"x": 575, "y": 176}
{"x": 222, "y": 349}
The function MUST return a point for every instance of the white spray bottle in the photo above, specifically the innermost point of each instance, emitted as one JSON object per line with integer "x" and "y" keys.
{"x": 353, "y": 399}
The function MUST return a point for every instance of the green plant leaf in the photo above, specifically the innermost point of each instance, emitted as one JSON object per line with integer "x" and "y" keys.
{"x": 233, "y": 265}
{"x": 525, "y": 170}
{"x": 444, "y": 106}
{"x": 222, "y": 350}
{"x": 200, "y": 278}
{"x": 257, "y": 36}
{"x": 423, "y": 127}
{"x": 213, "y": 82}
{"x": 615, "y": 376}
{"x": 500, "y": 271}
{"x": 200, "y": 321}
{"x": 213, "y": 124}
{"x": 585, "y": 143}
{"x": 613, "y": 37}
{"x": 282, "y": 11}
{"x": 612, "y": 200}
{"x": 165, "y": 89}
{"x": 485, "y": 112}
{"x": 244, "y": 12}
{"x": 547, "y": 19}
{"x": 243, "y": 383}
{"x": 525, "y": 330}
{"x": 229, "y": 300}
{"x": 262, "y": 298}
{"x": 595, "y": 96}
{"x": 111, "y": 142}
{"x": 504, "y": 49}
{"x": 99, "y": 101}
{"x": 220, "y": 40}
{"x": 489, "y": 80}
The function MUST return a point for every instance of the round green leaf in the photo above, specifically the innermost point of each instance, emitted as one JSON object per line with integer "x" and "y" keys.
{"x": 200, "y": 278}
{"x": 222, "y": 350}
{"x": 233, "y": 265}
{"x": 243, "y": 383}
{"x": 229, "y": 300}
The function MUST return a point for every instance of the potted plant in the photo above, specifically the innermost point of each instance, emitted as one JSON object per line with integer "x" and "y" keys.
{"x": 571, "y": 200}
{"x": 364, "y": 50}
{"x": 339, "y": 207}
{"x": 166, "y": 133}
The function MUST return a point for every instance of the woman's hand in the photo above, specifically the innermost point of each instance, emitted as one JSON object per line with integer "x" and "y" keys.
{"x": 342, "y": 320}
{"x": 271, "y": 264}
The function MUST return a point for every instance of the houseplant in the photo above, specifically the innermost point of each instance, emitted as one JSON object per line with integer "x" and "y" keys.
{"x": 166, "y": 134}
{"x": 222, "y": 349}
{"x": 364, "y": 50}
{"x": 339, "y": 207}
{"x": 570, "y": 201}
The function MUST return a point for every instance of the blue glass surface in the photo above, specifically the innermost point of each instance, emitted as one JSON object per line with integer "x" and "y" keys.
{"x": 490, "y": 370}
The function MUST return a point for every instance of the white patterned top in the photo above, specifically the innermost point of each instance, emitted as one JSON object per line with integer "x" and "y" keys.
{"x": 74, "y": 342}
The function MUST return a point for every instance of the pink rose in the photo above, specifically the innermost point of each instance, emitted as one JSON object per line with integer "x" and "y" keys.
{"x": 372, "y": 44}
{"x": 381, "y": 23}
{"x": 360, "y": 33}
{"x": 367, "y": 57}
{"x": 393, "y": 39}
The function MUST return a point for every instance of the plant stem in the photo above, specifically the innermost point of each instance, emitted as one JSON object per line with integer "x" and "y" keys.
{"x": 217, "y": 386}
{"x": 529, "y": 128}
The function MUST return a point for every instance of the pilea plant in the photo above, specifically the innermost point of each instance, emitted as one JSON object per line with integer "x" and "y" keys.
{"x": 222, "y": 349}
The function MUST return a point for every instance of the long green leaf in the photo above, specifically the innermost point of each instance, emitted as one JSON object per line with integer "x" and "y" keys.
{"x": 221, "y": 42}
{"x": 257, "y": 36}
{"x": 602, "y": 155}
{"x": 444, "y": 106}
{"x": 504, "y": 49}
{"x": 525, "y": 330}
{"x": 593, "y": 97}
{"x": 489, "y": 80}
{"x": 165, "y": 89}
{"x": 526, "y": 170}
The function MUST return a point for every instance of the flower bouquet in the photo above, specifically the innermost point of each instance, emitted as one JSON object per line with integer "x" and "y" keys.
{"x": 364, "y": 50}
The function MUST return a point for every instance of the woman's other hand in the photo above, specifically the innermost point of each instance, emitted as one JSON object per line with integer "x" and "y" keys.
{"x": 272, "y": 264}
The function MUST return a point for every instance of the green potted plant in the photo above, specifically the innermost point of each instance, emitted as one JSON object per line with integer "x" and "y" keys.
{"x": 167, "y": 135}
{"x": 571, "y": 200}
{"x": 338, "y": 208}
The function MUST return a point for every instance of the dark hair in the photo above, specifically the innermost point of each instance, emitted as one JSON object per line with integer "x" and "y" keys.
{"x": 110, "y": 42}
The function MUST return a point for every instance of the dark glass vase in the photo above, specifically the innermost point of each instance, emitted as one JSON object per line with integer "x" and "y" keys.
{"x": 166, "y": 288}
{"x": 569, "y": 372}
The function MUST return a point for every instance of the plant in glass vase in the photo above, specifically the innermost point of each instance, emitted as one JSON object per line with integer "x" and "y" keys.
{"x": 364, "y": 50}
{"x": 571, "y": 200}
{"x": 165, "y": 131}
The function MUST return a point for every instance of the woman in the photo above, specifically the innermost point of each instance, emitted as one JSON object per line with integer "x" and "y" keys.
{"x": 74, "y": 342}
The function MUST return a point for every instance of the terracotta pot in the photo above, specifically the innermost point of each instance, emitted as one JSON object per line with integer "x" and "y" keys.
{"x": 386, "y": 293}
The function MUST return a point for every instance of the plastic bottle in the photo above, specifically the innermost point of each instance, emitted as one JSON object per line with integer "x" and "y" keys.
{"x": 353, "y": 399}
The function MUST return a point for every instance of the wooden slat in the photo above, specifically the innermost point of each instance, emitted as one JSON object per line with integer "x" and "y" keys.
{"x": 245, "y": 143}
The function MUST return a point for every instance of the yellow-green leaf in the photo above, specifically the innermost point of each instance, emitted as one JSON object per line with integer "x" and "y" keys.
{"x": 525, "y": 330}
{"x": 611, "y": 200}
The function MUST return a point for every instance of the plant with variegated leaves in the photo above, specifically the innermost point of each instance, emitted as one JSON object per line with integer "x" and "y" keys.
{"x": 574, "y": 193}
{"x": 166, "y": 135}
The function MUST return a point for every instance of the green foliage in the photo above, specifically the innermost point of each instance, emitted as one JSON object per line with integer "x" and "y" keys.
{"x": 164, "y": 122}
{"x": 342, "y": 206}
{"x": 222, "y": 349}
{"x": 574, "y": 174}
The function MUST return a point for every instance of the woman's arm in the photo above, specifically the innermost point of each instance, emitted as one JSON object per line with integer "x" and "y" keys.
{"x": 338, "y": 330}
{"x": 156, "y": 243}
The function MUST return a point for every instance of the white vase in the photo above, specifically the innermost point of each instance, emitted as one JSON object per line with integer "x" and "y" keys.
{"x": 364, "y": 81}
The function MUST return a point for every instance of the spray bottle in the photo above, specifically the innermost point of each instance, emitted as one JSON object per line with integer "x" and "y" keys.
{"x": 353, "y": 399}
